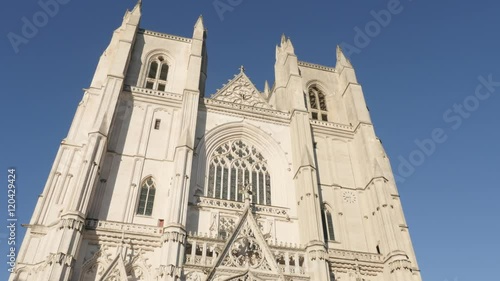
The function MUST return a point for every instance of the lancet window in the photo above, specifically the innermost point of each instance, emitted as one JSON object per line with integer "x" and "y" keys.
{"x": 317, "y": 104}
{"x": 146, "y": 197}
{"x": 156, "y": 76}
{"x": 328, "y": 229}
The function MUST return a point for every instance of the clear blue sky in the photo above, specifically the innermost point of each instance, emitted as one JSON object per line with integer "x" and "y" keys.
{"x": 424, "y": 61}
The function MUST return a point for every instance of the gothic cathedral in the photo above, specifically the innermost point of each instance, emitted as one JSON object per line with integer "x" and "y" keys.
{"x": 155, "y": 181}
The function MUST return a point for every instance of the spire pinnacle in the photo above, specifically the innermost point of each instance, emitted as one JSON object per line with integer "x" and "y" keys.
{"x": 242, "y": 69}
{"x": 138, "y": 5}
{"x": 133, "y": 17}
{"x": 286, "y": 44}
{"x": 283, "y": 39}
{"x": 342, "y": 60}
{"x": 199, "y": 29}
{"x": 199, "y": 22}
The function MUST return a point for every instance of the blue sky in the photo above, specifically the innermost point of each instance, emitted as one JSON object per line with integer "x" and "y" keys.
{"x": 416, "y": 71}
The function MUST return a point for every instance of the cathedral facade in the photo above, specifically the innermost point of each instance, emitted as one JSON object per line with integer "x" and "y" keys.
{"x": 155, "y": 181}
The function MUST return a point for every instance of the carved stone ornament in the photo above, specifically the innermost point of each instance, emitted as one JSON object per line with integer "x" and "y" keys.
{"x": 193, "y": 276}
{"x": 246, "y": 252}
{"x": 246, "y": 256}
{"x": 241, "y": 90}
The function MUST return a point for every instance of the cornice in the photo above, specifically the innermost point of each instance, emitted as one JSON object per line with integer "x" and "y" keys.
{"x": 236, "y": 206}
{"x": 354, "y": 255}
{"x": 316, "y": 66}
{"x": 112, "y": 227}
{"x": 239, "y": 110}
{"x": 332, "y": 129}
{"x": 164, "y": 35}
{"x": 113, "y": 233}
{"x": 154, "y": 97}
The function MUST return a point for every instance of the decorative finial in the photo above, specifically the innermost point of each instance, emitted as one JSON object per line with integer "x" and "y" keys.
{"x": 242, "y": 69}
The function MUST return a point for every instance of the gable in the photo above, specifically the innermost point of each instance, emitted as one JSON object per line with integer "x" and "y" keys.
{"x": 241, "y": 90}
{"x": 245, "y": 252}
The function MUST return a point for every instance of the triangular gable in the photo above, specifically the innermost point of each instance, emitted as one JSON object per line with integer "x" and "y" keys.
{"x": 116, "y": 270}
{"x": 246, "y": 250}
{"x": 241, "y": 90}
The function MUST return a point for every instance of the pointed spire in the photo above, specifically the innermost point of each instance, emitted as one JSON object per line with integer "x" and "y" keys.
{"x": 289, "y": 42}
{"x": 342, "y": 60}
{"x": 137, "y": 7}
{"x": 199, "y": 29}
{"x": 133, "y": 17}
{"x": 286, "y": 45}
{"x": 266, "y": 89}
{"x": 199, "y": 22}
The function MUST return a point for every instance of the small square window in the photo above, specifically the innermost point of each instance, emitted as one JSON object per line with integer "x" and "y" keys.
{"x": 324, "y": 117}
{"x": 149, "y": 85}
{"x": 161, "y": 87}
{"x": 315, "y": 116}
{"x": 157, "y": 124}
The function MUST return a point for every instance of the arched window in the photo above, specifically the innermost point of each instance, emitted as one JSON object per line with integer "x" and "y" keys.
{"x": 157, "y": 73}
{"x": 317, "y": 104}
{"x": 327, "y": 219}
{"x": 235, "y": 165}
{"x": 147, "y": 197}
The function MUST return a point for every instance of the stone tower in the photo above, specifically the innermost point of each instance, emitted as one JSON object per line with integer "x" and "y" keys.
{"x": 155, "y": 181}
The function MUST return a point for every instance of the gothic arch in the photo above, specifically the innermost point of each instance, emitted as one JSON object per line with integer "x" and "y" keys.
{"x": 146, "y": 196}
{"x": 145, "y": 65}
{"x": 328, "y": 222}
{"x": 252, "y": 135}
{"x": 317, "y": 101}
{"x": 321, "y": 86}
